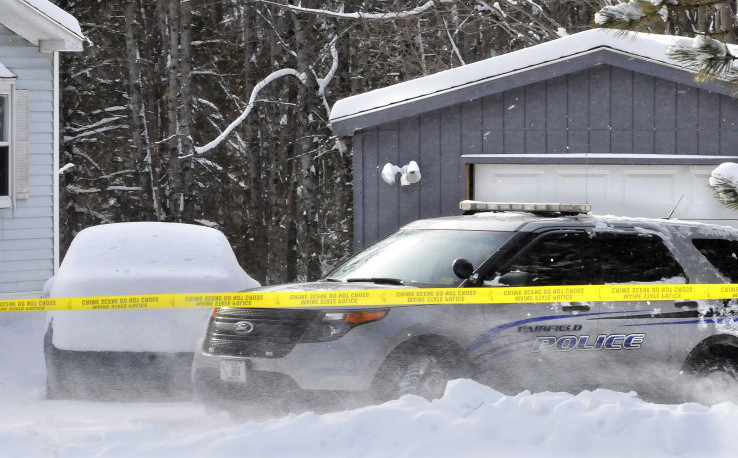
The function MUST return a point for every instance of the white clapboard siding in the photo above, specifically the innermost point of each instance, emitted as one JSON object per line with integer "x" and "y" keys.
{"x": 26, "y": 231}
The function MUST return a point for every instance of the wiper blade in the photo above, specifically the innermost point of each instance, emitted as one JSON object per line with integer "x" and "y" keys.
{"x": 331, "y": 279}
{"x": 378, "y": 280}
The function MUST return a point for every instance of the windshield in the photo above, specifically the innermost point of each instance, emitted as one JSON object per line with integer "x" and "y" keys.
{"x": 421, "y": 256}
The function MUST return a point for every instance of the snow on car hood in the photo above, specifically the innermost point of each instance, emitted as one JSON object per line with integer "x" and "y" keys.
{"x": 142, "y": 258}
{"x": 328, "y": 286}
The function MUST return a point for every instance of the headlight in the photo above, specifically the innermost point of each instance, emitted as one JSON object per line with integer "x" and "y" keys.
{"x": 334, "y": 325}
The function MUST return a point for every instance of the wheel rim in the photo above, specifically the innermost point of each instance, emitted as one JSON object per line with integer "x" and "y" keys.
{"x": 433, "y": 383}
{"x": 424, "y": 377}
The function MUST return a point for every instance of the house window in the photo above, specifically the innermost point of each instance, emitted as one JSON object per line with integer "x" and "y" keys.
{"x": 5, "y": 164}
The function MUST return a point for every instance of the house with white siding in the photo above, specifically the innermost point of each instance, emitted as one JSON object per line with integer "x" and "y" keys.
{"x": 32, "y": 34}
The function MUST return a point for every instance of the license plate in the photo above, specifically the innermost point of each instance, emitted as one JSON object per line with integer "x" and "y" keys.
{"x": 233, "y": 371}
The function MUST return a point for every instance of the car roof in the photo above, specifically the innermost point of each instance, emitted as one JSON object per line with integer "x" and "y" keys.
{"x": 490, "y": 221}
{"x": 531, "y": 222}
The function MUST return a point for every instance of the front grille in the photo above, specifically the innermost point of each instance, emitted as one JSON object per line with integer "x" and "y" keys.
{"x": 274, "y": 332}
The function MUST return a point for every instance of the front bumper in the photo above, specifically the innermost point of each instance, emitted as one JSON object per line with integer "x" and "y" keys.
{"x": 346, "y": 364}
{"x": 260, "y": 387}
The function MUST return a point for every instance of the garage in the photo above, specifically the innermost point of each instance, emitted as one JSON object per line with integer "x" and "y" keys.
{"x": 632, "y": 190}
{"x": 593, "y": 117}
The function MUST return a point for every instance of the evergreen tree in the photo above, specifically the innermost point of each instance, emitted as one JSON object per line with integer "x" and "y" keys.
{"x": 712, "y": 24}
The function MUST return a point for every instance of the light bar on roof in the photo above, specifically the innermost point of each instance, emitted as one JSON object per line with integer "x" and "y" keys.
{"x": 537, "y": 207}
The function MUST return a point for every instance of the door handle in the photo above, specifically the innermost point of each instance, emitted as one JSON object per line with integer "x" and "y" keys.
{"x": 576, "y": 307}
{"x": 686, "y": 304}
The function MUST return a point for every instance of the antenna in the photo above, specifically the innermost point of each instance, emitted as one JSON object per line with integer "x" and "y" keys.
{"x": 675, "y": 207}
{"x": 586, "y": 176}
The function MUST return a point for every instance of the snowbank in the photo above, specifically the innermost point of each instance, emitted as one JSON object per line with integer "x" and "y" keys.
{"x": 474, "y": 420}
{"x": 470, "y": 420}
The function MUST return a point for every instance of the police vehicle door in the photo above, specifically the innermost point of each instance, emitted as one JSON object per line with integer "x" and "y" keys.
{"x": 534, "y": 345}
{"x": 632, "y": 338}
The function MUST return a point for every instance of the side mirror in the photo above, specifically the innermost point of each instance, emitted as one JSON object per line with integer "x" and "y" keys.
{"x": 515, "y": 279}
{"x": 462, "y": 268}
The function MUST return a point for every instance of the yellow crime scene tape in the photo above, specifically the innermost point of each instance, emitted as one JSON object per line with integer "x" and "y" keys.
{"x": 384, "y": 297}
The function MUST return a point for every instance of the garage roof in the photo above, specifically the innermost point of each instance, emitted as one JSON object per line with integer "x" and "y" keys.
{"x": 43, "y": 24}
{"x": 640, "y": 52}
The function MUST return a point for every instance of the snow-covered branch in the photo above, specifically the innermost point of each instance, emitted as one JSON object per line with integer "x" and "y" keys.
{"x": 123, "y": 188}
{"x": 723, "y": 181}
{"x": 359, "y": 14}
{"x": 94, "y": 131}
{"x": 94, "y": 126}
{"x": 627, "y": 15}
{"x": 710, "y": 58}
{"x": 115, "y": 174}
{"x": 77, "y": 152}
{"x": 65, "y": 168}
{"x": 453, "y": 43}
{"x": 252, "y": 100}
{"x": 323, "y": 82}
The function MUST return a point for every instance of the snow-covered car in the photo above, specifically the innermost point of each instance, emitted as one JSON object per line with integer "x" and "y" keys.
{"x": 106, "y": 353}
{"x": 560, "y": 345}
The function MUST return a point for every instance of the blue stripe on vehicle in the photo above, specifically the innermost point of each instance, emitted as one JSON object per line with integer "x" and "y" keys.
{"x": 491, "y": 334}
{"x": 709, "y": 320}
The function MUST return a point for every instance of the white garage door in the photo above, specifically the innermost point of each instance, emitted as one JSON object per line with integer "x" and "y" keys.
{"x": 623, "y": 190}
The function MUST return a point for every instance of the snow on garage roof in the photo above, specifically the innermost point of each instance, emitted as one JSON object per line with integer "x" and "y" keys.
{"x": 43, "y": 24}
{"x": 651, "y": 47}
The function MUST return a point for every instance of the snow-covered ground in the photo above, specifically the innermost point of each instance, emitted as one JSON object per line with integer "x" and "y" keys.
{"x": 470, "y": 420}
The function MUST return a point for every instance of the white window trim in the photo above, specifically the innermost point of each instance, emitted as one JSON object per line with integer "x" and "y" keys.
{"x": 7, "y": 88}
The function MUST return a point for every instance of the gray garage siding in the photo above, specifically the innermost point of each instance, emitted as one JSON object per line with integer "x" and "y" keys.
{"x": 599, "y": 110}
{"x": 602, "y": 110}
{"x": 26, "y": 231}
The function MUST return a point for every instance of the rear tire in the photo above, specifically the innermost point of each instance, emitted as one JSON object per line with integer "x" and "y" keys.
{"x": 54, "y": 391}
{"x": 55, "y": 387}
{"x": 717, "y": 381}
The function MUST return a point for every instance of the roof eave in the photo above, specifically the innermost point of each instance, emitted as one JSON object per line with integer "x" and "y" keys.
{"x": 6, "y": 74}
{"x": 39, "y": 29}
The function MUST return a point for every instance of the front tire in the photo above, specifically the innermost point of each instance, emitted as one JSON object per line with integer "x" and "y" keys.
{"x": 425, "y": 377}
{"x": 421, "y": 373}
{"x": 717, "y": 381}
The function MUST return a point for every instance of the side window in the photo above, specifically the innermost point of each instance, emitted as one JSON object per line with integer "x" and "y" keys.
{"x": 636, "y": 258}
{"x": 4, "y": 145}
{"x": 14, "y": 159}
{"x": 557, "y": 259}
{"x": 722, "y": 254}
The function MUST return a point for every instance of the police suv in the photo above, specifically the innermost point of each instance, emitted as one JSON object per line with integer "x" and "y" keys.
{"x": 672, "y": 349}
